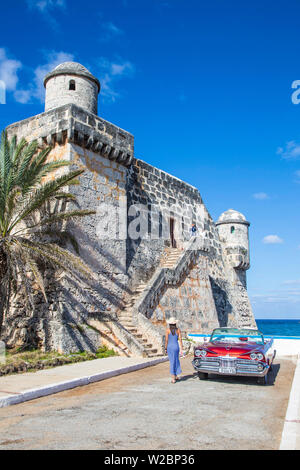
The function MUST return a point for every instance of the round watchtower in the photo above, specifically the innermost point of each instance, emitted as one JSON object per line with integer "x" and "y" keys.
{"x": 71, "y": 83}
{"x": 233, "y": 230}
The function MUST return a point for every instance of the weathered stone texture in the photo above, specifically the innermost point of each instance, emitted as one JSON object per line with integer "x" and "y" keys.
{"x": 58, "y": 94}
{"x": 170, "y": 198}
{"x": 78, "y": 126}
{"x": 71, "y": 83}
{"x": 204, "y": 288}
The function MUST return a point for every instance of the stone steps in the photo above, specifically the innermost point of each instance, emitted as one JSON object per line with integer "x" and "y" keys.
{"x": 125, "y": 318}
{"x": 170, "y": 257}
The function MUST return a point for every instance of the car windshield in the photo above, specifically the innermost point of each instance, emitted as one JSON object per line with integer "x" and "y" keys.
{"x": 236, "y": 335}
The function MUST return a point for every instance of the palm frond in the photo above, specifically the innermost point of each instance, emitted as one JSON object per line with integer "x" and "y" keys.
{"x": 41, "y": 195}
{"x": 34, "y": 201}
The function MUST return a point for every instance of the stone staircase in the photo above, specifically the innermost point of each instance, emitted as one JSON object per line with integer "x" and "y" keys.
{"x": 168, "y": 260}
{"x": 133, "y": 318}
{"x": 170, "y": 257}
{"x": 125, "y": 318}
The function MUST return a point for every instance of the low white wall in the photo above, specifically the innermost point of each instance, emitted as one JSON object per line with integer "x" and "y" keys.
{"x": 287, "y": 347}
{"x": 284, "y": 346}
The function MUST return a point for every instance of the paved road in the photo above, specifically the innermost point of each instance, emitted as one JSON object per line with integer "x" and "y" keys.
{"x": 143, "y": 410}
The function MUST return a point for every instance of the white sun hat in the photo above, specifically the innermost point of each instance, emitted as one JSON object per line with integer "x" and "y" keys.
{"x": 172, "y": 321}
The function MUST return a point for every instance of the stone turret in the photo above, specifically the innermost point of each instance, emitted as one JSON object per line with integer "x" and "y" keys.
{"x": 233, "y": 232}
{"x": 71, "y": 83}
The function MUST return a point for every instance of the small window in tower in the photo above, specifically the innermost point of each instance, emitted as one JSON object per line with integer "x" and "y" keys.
{"x": 232, "y": 229}
{"x": 72, "y": 85}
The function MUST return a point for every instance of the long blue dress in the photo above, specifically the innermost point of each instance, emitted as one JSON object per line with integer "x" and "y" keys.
{"x": 173, "y": 353}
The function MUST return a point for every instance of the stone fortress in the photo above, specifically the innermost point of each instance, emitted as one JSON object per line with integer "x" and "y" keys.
{"x": 148, "y": 265}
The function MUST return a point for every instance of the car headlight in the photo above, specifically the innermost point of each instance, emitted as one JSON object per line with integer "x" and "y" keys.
{"x": 200, "y": 352}
{"x": 256, "y": 356}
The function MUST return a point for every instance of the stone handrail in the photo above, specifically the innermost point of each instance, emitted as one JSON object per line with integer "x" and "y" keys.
{"x": 117, "y": 329}
{"x": 162, "y": 277}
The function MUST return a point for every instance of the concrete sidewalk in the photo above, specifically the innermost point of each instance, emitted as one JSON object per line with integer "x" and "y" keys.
{"x": 28, "y": 386}
{"x": 290, "y": 439}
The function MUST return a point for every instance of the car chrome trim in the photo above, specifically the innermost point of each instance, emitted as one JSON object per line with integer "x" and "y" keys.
{"x": 221, "y": 365}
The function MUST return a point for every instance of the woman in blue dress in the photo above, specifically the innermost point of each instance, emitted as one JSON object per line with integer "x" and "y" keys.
{"x": 173, "y": 347}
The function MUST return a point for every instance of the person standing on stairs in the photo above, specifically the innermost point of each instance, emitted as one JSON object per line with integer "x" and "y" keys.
{"x": 193, "y": 230}
{"x": 173, "y": 347}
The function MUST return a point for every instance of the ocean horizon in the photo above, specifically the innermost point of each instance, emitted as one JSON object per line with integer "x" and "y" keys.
{"x": 279, "y": 327}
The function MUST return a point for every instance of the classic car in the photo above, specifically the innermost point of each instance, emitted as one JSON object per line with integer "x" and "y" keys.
{"x": 235, "y": 351}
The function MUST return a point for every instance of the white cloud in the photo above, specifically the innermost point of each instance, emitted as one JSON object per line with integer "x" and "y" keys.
{"x": 109, "y": 31}
{"x": 9, "y": 70}
{"x": 278, "y": 296}
{"x": 289, "y": 295}
{"x": 272, "y": 239}
{"x": 292, "y": 282}
{"x": 291, "y": 151}
{"x": 36, "y": 90}
{"x": 126, "y": 68}
{"x": 44, "y": 5}
{"x": 22, "y": 96}
{"x": 110, "y": 73}
{"x": 53, "y": 59}
{"x": 279, "y": 302}
{"x": 282, "y": 296}
{"x": 297, "y": 174}
{"x": 260, "y": 196}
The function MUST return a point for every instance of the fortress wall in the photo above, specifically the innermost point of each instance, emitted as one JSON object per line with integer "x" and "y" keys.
{"x": 191, "y": 301}
{"x": 74, "y": 133}
{"x": 101, "y": 245}
{"x": 63, "y": 323}
{"x": 103, "y": 189}
{"x": 80, "y": 127}
{"x": 157, "y": 190}
{"x": 201, "y": 300}
{"x": 210, "y": 293}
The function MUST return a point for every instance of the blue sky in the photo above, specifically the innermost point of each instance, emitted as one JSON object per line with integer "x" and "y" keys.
{"x": 205, "y": 87}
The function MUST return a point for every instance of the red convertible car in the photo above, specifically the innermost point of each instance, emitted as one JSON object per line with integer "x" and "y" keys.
{"x": 235, "y": 351}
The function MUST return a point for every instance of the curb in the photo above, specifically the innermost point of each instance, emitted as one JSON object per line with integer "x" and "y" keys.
{"x": 291, "y": 428}
{"x": 66, "y": 385}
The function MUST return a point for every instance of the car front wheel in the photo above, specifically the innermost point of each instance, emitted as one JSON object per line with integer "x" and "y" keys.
{"x": 263, "y": 380}
{"x": 202, "y": 375}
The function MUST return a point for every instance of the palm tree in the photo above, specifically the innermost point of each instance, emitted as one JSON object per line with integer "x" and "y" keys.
{"x": 34, "y": 201}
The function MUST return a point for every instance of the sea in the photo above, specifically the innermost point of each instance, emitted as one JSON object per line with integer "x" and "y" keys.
{"x": 290, "y": 328}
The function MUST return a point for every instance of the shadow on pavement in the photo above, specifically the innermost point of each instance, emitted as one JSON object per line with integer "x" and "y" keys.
{"x": 271, "y": 378}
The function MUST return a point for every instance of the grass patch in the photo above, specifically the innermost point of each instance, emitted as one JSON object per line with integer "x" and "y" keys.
{"x": 30, "y": 360}
{"x": 29, "y": 355}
